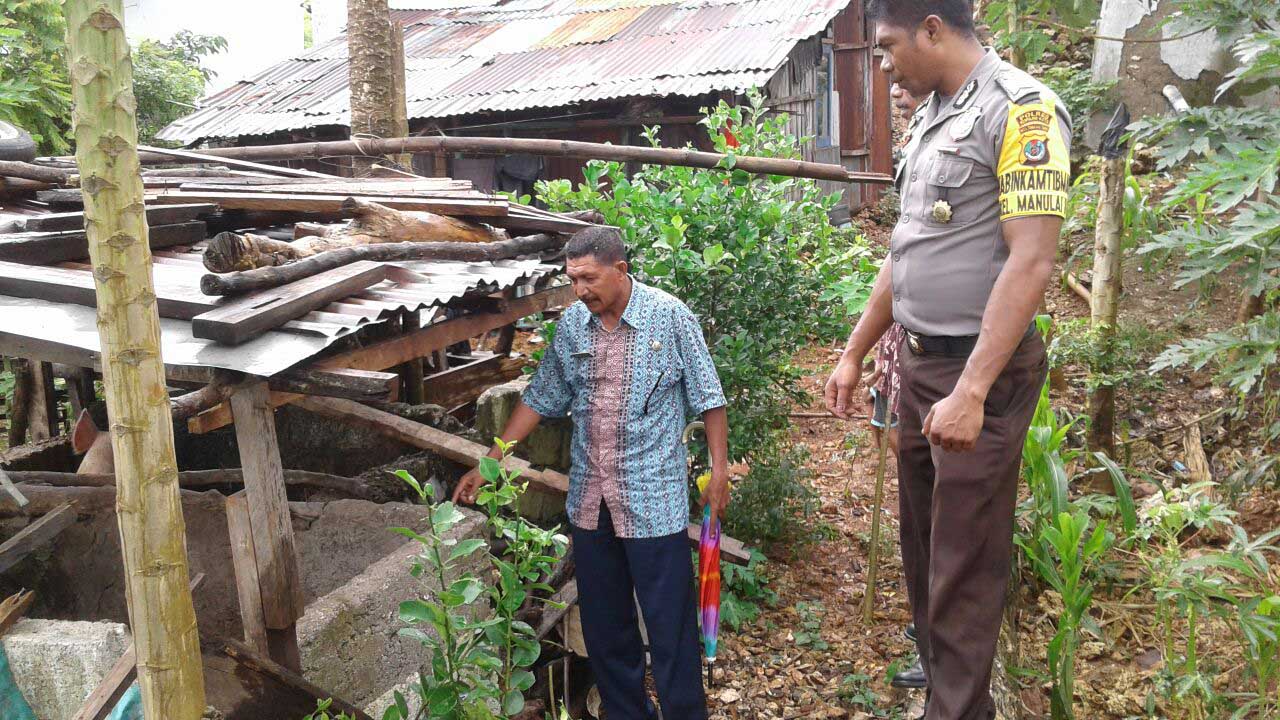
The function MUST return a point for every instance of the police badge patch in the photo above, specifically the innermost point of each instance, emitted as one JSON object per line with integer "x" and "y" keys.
{"x": 1035, "y": 152}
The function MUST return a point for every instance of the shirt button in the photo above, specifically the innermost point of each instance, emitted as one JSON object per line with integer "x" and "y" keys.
{"x": 897, "y": 256}
{"x": 928, "y": 137}
{"x": 906, "y": 219}
{"x": 914, "y": 177}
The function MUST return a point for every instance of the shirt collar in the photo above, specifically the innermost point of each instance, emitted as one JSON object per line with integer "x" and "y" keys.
{"x": 633, "y": 315}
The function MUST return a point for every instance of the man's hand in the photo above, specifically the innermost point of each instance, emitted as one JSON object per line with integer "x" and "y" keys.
{"x": 468, "y": 486}
{"x": 716, "y": 494}
{"x": 842, "y": 385}
{"x": 955, "y": 422}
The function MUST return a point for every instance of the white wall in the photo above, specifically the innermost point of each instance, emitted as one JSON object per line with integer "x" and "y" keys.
{"x": 259, "y": 33}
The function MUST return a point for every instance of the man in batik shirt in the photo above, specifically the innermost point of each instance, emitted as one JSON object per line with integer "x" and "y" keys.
{"x": 630, "y": 365}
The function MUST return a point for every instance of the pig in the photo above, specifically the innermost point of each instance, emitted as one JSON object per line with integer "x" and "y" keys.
{"x": 95, "y": 445}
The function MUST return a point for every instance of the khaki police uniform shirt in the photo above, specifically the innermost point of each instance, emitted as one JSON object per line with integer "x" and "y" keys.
{"x": 997, "y": 150}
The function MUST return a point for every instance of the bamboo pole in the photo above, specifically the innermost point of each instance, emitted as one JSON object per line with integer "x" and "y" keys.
{"x": 377, "y": 147}
{"x": 148, "y": 504}
{"x": 877, "y": 509}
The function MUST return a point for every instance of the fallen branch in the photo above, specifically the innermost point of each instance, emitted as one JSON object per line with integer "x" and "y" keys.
{"x": 204, "y": 480}
{"x": 269, "y": 277}
{"x": 39, "y": 173}
{"x": 1079, "y": 288}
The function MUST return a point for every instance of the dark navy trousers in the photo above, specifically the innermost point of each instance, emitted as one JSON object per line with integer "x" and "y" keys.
{"x": 659, "y": 571}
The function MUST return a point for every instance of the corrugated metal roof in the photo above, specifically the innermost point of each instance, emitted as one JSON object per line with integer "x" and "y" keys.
{"x": 409, "y": 286}
{"x": 474, "y": 56}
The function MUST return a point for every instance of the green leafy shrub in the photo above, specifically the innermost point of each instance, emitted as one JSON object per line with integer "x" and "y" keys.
{"x": 34, "y": 91}
{"x": 773, "y": 501}
{"x": 753, "y": 256}
{"x": 480, "y": 663}
{"x": 168, "y": 78}
{"x": 745, "y": 591}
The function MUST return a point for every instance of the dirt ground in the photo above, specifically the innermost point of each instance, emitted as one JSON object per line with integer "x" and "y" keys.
{"x": 770, "y": 672}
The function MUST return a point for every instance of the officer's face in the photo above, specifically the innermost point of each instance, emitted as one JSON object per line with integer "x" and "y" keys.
{"x": 907, "y": 57}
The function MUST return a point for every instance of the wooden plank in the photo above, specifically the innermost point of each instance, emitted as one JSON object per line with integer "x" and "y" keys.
{"x": 156, "y": 215}
{"x": 360, "y": 385}
{"x": 117, "y": 681}
{"x": 35, "y": 536}
{"x": 332, "y": 204}
{"x": 399, "y": 350}
{"x": 256, "y": 662}
{"x": 243, "y": 319}
{"x": 244, "y": 561}
{"x": 55, "y": 247}
{"x": 463, "y": 384}
{"x": 76, "y": 287}
{"x": 459, "y": 450}
{"x": 274, "y": 552}
{"x": 43, "y": 412}
{"x": 13, "y": 608}
{"x": 231, "y": 162}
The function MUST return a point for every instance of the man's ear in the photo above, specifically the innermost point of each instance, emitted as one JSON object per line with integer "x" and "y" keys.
{"x": 623, "y": 267}
{"x": 933, "y": 27}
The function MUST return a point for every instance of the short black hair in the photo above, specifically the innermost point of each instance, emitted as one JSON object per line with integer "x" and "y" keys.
{"x": 910, "y": 13}
{"x": 601, "y": 242}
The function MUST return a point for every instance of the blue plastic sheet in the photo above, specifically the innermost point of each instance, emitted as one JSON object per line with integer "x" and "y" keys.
{"x": 130, "y": 705}
{"x": 12, "y": 705}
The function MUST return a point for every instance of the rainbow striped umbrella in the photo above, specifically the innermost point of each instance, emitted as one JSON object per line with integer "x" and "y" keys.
{"x": 709, "y": 584}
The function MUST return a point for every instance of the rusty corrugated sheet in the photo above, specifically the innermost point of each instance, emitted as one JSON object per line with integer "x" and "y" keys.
{"x": 524, "y": 54}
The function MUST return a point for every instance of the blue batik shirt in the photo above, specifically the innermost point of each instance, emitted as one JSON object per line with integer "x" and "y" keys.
{"x": 630, "y": 392}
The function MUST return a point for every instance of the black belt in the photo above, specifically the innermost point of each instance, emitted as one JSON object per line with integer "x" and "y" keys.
{"x": 952, "y": 346}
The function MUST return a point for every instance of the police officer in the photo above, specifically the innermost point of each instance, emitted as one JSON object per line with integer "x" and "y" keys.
{"x": 984, "y": 187}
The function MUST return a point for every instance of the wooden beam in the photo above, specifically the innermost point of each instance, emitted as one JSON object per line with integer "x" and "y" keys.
{"x": 463, "y": 384}
{"x": 248, "y": 583}
{"x": 332, "y": 204}
{"x": 204, "y": 480}
{"x": 48, "y": 248}
{"x": 243, "y": 319}
{"x": 43, "y": 415}
{"x": 459, "y": 450}
{"x": 76, "y": 287}
{"x": 13, "y": 608}
{"x": 399, "y": 350}
{"x": 35, "y": 536}
{"x": 232, "y": 162}
{"x": 257, "y": 663}
{"x": 440, "y": 145}
{"x": 361, "y": 385}
{"x": 157, "y": 215}
{"x": 276, "y": 558}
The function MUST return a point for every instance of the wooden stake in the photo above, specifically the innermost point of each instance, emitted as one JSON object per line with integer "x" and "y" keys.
{"x": 275, "y": 558}
{"x": 149, "y": 509}
{"x": 873, "y": 560}
{"x": 43, "y": 414}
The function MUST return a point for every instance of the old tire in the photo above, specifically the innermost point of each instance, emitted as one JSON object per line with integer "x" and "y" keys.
{"x": 16, "y": 143}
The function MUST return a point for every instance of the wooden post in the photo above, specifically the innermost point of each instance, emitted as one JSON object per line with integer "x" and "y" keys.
{"x": 412, "y": 375}
{"x": 20, "y": 408}
{"x": 248, "y": 585}
{"x": 399, "y": 104}
{"x": 275, "y": 558}
{"x": 43, "y": 414}
{"x": 1105, "y": 293}
{"x": 148, "y": 505}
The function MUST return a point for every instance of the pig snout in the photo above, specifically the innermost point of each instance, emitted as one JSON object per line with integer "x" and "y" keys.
{"x": 95, "y": 445}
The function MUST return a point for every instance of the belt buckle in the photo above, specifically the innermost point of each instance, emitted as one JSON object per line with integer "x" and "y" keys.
{"x": 914, "y": 343}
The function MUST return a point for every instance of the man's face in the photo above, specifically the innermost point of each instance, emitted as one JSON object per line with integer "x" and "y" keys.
{"x": 908, "y": 58}
{"x": 599, "y": 285}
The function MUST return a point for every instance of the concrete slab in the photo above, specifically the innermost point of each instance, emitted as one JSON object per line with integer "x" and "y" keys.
{"x": 58, "y": 663}
{"x": 348, "y": 637}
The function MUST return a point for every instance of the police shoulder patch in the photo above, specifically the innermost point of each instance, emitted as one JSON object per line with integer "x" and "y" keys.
{"x": 1034, "y": 169}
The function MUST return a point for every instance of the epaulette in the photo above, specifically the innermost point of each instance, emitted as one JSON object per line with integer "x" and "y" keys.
{"x": 1018, "y": 85}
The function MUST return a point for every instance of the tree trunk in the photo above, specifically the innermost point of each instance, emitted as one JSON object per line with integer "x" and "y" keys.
{"x": 373, "y": 224}
{"x": 371, "y": 73}
{"x": 148, "y": 504}
{"x": 20, "y": 408}
{"x": 1105, "y": 294}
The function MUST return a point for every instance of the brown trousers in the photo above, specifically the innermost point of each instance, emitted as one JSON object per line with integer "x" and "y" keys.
{"x": 957, "y": 524}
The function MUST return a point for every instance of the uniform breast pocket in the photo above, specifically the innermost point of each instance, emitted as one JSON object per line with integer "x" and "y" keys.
{"x": 950, "y": 198}
{"x": 660, "y": 382}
